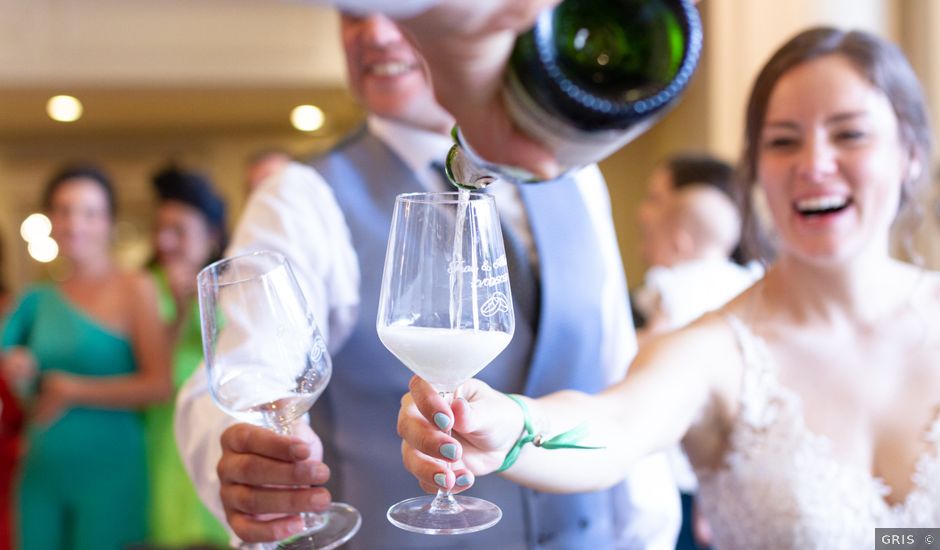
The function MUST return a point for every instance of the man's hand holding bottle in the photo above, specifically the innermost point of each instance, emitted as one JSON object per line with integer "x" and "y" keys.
{"x": 580, "y": 93}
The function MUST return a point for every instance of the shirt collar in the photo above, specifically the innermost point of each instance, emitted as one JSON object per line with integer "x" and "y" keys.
{"x": 416, "y": 147}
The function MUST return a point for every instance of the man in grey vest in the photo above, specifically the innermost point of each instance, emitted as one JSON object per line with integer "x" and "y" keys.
{"x": 332, "y": 222}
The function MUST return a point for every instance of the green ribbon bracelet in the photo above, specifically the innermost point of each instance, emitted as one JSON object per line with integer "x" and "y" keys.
{"x": 566, "y": 440}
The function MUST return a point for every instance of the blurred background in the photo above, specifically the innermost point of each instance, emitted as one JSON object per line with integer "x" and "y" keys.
{"x": 209, "y": 83}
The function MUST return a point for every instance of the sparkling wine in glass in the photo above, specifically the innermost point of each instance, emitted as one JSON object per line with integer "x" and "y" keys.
{"x": 445, "y": 311}
{"x": 267, "y": 363}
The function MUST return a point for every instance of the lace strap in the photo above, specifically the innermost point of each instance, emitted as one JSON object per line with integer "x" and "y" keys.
{"x": 933, "y": 430}
{"x": 759, "y": 386}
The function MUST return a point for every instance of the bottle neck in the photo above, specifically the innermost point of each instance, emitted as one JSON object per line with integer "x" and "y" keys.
{"x": 597, "y": 65}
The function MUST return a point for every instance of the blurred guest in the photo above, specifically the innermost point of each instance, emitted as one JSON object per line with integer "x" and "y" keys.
{"x": 4, "y": 289}
{"x": 265, "y": 165}
{"x": 689, "y": 229}
{"x": 11, "y": 421}
{"x": 189, "y": 234}
{"x": 87, "y": 351}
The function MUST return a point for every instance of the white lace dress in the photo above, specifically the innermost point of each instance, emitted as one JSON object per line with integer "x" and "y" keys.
{"x": 780, "y": 486}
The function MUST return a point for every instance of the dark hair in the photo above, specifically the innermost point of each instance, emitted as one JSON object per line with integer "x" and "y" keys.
{"x": 195, "y": 190}
{"x": 691, "y": 169}
{"x": 686, "y": 170}
{"x": 83, "y": 171}
{"x": 882, "y": 64}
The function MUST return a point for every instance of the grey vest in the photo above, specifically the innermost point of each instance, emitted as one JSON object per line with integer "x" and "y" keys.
{"x": 356, "y": 417}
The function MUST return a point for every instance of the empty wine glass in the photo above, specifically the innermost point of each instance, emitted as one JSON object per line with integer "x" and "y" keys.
{"x": 267, "y": 362}
{"x": 445, "y": 311}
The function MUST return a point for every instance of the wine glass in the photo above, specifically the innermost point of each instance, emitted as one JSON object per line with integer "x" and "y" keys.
{"x": 267, "y": 362}
{"x": 445, "y": 311}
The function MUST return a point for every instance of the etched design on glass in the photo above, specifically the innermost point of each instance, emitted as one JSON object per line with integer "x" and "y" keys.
{"x": 497, "y": 303}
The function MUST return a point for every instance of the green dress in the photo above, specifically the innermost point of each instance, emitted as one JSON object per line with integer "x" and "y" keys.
{"x": 177, "y": 516}
{"x": 83, "y": 482}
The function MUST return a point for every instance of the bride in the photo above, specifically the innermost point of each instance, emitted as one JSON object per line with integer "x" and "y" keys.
{"x": 810, "y": 405}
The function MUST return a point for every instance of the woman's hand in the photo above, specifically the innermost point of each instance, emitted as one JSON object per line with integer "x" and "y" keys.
{"x": 56, "y": 395}
{"x": 19, "y": 369}
{"x": 485, "y": 424}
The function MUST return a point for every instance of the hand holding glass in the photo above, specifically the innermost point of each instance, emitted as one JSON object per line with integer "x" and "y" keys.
{"x": 267, "y": 363}
{"x": 445, "y": 311}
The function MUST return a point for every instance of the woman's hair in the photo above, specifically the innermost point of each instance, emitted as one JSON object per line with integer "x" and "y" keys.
{"x": 883, "y": 65}
{"x": 83, "y": 171}
{"x": 172, "y": 183}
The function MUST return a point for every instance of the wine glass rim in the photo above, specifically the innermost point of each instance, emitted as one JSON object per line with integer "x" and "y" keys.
{"x": 279, "y": 260}
{"x": 442, "y": 197}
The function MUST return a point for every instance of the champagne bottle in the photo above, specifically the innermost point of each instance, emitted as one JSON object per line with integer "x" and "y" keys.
{"x": 589, "y": 77}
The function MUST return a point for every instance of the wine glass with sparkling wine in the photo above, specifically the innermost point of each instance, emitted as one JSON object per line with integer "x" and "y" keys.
{"x": 445, "y": 311}
{"x": 267, "y": 363}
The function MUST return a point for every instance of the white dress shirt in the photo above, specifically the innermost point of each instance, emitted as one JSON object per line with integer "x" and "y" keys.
{"x": 297, "y": 215}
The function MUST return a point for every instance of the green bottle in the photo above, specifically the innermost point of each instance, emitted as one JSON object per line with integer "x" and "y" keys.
{"x": 592, "y": 75}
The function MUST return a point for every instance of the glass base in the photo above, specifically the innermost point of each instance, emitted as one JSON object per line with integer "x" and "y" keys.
{"x": 464, "y": 515}
{"x": 338, "y": 524}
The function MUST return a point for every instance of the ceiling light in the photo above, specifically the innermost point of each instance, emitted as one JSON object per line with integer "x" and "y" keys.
{"x": 64, "y": 108}
{"x": 34, "y": 227}
{"x": 43, "y": 250}
{"x": 307, "y": 118}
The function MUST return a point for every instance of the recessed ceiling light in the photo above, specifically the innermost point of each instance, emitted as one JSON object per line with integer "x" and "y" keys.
{"x": 64, "y": 108}
{"x": 43, "y": 250}
{"x": 307, "y": 118}
{"x": 36, "y": 226}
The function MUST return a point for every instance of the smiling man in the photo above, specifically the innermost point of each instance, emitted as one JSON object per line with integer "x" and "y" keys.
{"x": 332, "y": 219}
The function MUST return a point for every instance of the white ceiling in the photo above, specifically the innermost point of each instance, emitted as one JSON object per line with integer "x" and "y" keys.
{"x": 157, "y": 66}
{"x": 134, "y": 43}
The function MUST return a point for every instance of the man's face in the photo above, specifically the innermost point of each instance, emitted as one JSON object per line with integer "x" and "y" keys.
{"x": 385, "y": 72}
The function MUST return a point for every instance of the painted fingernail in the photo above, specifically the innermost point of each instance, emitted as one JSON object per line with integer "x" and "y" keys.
{"x": 449, "y": 450}
{"x": 463, "y": 480}
{"x": 441, "y": 480}
{"x": 442, "y": 420}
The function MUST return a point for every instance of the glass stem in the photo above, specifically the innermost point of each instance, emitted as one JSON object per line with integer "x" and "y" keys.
{"x": 312, "y": 520}
{"x": 444, "y": 502}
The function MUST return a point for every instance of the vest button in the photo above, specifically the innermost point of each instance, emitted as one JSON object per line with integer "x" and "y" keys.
{"x": 583, "y": 523}
{"x": 545, "y": 538}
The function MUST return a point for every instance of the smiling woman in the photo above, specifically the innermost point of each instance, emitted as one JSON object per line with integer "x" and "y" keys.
{"x": 830, "y": 123}
{"x": 832, "y": 160}
{"x": 808, "y": 406}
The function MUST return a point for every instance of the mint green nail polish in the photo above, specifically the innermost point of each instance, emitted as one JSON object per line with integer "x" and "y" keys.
{"x": 463, "y": 480}
{"x": 449, "y": 450}
{"x": 441, "y": 480}
{"x": 442, "y": 420}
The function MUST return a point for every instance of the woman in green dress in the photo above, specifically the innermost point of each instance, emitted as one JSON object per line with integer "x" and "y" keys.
{"x": 87, "y": 352}
{"x": 189, "y": 233}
